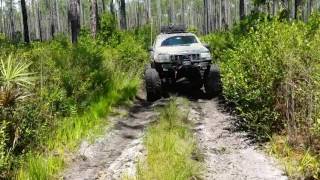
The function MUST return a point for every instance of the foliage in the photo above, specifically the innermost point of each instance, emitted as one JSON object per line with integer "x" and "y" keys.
{"x": 299, "y": 164}
{"x": 170, "y": 147}
{"x": 218, "y": 42}
{"x": 70, "y": 89}
{"x": 270, "y": 73}
{"x": 108, "y": 27}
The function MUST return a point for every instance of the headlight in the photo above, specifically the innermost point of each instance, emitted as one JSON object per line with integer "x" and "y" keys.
{"x": 206, "y": 56}
{"x": 163, "y": 58}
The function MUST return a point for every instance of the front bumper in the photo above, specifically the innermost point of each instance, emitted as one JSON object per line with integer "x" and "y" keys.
{"x": 188, "y": 70}
{"x": 201, "y": 65}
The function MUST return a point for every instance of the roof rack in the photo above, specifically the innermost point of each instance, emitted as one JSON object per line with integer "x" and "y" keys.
{"x": 171, "y": 29}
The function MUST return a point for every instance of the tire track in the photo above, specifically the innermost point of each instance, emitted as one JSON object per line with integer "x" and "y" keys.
{"x": 116, "y": 153}
{"x": 228, "y": 155}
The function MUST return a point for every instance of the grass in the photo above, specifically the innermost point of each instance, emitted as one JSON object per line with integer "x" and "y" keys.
{"x": 170, "y": 147}
{"x": 299, "y": 163}
{"x": 71, "y": 131}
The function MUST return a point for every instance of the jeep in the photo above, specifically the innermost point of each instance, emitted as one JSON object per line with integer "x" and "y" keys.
{"x": 178, "y": 57}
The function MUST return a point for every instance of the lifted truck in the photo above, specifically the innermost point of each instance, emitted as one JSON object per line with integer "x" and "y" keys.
{"x": 176, "y": 57}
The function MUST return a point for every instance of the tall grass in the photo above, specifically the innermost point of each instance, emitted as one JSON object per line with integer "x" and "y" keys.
{"x": 170, "y": 147}
{"x": 298, "y": 163}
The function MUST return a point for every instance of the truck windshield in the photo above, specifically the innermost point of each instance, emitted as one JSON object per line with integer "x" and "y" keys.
{"x": 179, "y": 41}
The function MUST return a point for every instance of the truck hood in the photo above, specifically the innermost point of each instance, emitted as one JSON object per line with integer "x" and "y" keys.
{"x": 176, "y": 50}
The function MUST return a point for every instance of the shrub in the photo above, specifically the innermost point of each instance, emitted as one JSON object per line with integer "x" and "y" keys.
{"x": 271, "y": 76}
{"x": 69, "y": 80}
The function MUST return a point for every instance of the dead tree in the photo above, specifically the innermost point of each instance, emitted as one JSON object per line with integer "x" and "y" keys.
{"x": 25, "y": 21}
{"x": 242, "y": 10}
{"x": 74, "y": 19}
{"x": 94, "y": 18}
{"x": 123, "y": 16}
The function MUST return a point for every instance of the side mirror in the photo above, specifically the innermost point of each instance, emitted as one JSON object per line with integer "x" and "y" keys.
{"x": 150, "y": 49}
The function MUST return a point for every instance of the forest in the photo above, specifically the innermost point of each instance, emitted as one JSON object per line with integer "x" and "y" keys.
{"x": 66, "y": 65}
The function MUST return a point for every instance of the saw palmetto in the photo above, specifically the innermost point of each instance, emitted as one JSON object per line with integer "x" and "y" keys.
{"x": 15, "y": 80}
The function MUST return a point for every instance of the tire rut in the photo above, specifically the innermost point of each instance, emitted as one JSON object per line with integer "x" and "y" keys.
{"x": 116, "y": 153}
{"x": 228, "y": 155}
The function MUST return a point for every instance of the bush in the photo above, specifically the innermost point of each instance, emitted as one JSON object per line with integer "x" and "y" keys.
{"x": 271, "y": 73}
{"x": 69, "y": 79}
{"x": 272, "y": 77}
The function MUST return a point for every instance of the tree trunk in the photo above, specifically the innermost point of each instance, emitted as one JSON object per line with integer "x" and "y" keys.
{"x": 103, "y": 5}
{"x": 274, "y": 7}
{"x": 94, "y": 18}
{"x": 205, "y": 16}
{"x": 297, "y": 4}
{"x": 11, "y": 17}
{"x": 57, "y": 15}
{"x": 242, "y": 10}
{"x": 25, "y": 21}
{"x": 183, "y": 12}
{"x": 52, "y": 18}
{"x": 39, "y": 21}
{"x": 123, "y": 16}
{"x": 309, "y": 7}
{"x": 2, "y": 17}
{"x": 173, "y": 19}
{"x": 112, "y": 8}
{"x": 74, "y": 19}
{"x": 224, "y": 14}
{"x": 159, "y": 12}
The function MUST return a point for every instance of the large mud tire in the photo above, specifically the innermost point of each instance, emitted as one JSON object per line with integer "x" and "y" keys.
{"x": 213, "y": 84}
{"x": 153, "y": 84}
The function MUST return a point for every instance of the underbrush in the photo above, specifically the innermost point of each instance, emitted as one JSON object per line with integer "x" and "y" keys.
{"x": 271, "y": 74}
{"x": 54, "y": 94}
{"x": 299, "y": 163}
{"x": 170, "y": 148}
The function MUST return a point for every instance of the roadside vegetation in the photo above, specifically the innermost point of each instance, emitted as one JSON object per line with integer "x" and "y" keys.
{"x": 170, "y": 147}
{"x": 65, "y": 63}
{"x": 270, "y": 69}
{"x": 54, "y": 94}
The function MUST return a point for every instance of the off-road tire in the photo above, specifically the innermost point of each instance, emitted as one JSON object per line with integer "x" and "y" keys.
{"x": 153, "y": 84}
{"x": 213, "y": 84}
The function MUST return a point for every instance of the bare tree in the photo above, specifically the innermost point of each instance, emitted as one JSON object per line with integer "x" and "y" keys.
{"x": 25, "y": 21}
{"x": 112, "y": 8}
{"x": 205, "y": 16}
{"x": 103, "y": 5}
{"x": 123, "y": 16}
{"x": 94, "y": 18}
{"x": 39, "y": 21}
{"x": 183, "y": 12}
{"x": 74, "y": 19}
{"x": 11, "y": 19}
{"x": 159, "y": 12}
{"x": 297, "y": 4}
{"x": 242, "y": 10}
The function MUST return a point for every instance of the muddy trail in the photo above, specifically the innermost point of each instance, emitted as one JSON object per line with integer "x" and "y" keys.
{"x": 227, "y": 154}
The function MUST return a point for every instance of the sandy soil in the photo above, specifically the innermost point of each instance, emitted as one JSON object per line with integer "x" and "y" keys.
{"x": 116, "y": 153}
{"x": 228, "y": 155}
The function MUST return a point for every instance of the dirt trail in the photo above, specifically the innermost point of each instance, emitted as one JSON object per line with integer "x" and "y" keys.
{"x": 228, "y": 155}
{"x": 116, "y": 153}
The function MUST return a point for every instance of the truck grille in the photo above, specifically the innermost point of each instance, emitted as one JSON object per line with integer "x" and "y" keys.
{"x": 187, "y": 57}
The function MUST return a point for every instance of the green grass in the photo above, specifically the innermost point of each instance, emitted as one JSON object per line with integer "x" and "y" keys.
{"x": 71, "y": 131}
{"x": 299, "y": 163}
{"x": 170, "y": 146}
